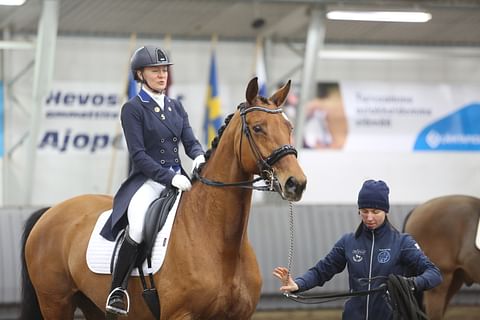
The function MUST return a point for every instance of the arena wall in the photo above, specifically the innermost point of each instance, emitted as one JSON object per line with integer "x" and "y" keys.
{"x": 316, "y": 229}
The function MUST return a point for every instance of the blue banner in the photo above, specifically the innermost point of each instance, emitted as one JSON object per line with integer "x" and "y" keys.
{"x": 458, "y": 131}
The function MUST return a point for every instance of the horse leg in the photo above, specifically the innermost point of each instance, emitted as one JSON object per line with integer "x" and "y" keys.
{"x": 56, "y": 306}
{"x": 89, "y": 309}
{"x": 436, "y": 299}
{"x": 457, "y": 282}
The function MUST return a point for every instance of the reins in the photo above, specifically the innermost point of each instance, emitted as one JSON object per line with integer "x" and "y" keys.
{"x": 267, "y": 172}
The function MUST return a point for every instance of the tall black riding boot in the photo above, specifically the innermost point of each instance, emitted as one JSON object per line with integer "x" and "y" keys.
{"x": 125, "y": 262}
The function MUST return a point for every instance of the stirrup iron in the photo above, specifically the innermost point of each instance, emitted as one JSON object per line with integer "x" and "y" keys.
{"x": 116, "y": 310}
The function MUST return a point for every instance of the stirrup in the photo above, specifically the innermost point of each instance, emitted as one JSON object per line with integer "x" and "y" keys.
{"x": 115, "y": 310}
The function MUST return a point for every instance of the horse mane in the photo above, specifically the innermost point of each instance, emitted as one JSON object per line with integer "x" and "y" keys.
{"x": 222, "y": 128}
{"x": 215, "y": 141}
{"x": 220, "y": 131}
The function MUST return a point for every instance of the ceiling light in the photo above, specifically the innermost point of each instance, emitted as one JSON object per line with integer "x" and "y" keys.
{"x": 11, "y": 2}
{"x": 384, "y": 16}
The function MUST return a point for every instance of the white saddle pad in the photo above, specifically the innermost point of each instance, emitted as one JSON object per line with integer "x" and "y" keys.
{"x": 99, "y": 250}
{"x": 477, "y": 238}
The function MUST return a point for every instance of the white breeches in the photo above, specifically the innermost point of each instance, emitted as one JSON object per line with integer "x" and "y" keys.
{"x": 138, "y": 206}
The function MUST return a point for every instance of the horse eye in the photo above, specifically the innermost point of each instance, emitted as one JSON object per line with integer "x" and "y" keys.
{"x": 257, "y": 128}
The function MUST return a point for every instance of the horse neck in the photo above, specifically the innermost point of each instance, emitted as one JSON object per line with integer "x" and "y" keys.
{"x": 224, "y": 210}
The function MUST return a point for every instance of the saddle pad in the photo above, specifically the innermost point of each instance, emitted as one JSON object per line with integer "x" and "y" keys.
{"x": 99, "y": 250}
{"x": 477, "y": 238}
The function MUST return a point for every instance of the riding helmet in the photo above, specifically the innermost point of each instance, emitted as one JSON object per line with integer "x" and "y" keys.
{"x": 148, "y": 56}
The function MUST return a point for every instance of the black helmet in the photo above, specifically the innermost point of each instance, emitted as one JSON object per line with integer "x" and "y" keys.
{"x": 148, "y": 56}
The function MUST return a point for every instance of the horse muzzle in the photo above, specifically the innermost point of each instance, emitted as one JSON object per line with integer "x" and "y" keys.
{"x": 292, "y": 190}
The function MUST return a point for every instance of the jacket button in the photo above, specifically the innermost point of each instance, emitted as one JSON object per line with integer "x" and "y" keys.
{"x": 163, "y": 161}
{"x": 175, "y": 149}
{"x": 162, "y": 150}
{"x": 162, "y": 140}
{"x": 176, "y": 160}
{"x": 175, "y": 139}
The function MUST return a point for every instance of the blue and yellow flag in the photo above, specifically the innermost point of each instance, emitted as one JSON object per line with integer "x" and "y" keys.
{"x": 213, "y": 114}
{"x": 132, "y": 88}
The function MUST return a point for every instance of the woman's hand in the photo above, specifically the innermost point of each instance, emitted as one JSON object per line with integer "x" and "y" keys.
{"x": 197, "y": 162}
{"x": 288, "y": 285}
{"x": 181, "y": 182}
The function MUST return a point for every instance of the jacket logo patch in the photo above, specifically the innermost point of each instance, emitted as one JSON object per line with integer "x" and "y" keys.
{"x": 357, "y": 255}
{"x": 383, "y": 256}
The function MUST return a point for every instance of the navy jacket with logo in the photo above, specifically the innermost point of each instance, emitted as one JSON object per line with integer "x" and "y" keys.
{"x": 153, "y": 137}
{"x": 369, "y": 254}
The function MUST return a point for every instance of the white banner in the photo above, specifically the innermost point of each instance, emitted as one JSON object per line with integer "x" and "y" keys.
{"x": 383, "y": 116}
{"x": 81, "y": 147}
{"x": 422, "y": 139}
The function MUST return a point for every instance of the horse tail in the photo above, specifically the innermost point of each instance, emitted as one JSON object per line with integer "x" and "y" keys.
{"x": 29, "y": 308}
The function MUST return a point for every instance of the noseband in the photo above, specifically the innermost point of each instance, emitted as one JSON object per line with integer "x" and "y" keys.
{"x": 267, "y": 172}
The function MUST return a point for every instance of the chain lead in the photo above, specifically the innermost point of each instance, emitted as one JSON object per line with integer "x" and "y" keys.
{"x": 290, "y": 249}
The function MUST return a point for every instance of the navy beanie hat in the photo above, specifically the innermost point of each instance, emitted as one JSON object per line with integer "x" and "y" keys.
{"x": 374, "y": 194}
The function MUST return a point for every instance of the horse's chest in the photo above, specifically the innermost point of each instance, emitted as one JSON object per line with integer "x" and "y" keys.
{"x": 232, "y": 301}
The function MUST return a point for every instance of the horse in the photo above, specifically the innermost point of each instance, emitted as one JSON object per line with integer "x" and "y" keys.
{"x": 210, "y": 270}
{"x": 445, "y": 228}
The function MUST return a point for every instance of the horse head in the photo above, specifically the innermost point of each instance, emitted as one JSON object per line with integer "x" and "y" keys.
{"x": 264, "y": 143}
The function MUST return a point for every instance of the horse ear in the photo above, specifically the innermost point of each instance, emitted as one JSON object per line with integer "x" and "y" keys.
{"x": 252, "y": 91}
{"x": 279, "y": 97}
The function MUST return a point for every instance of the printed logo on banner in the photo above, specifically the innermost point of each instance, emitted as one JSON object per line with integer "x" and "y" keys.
{"x": 80, "y": 117}
{"x": 459, "y": 131}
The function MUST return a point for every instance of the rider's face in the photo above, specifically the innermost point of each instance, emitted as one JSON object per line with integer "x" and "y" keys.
{"x": 156, "y": 77}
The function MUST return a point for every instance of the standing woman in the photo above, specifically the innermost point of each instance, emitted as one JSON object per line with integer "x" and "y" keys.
{"x": 371, "y": 253}
{"x": 153, "y": 125}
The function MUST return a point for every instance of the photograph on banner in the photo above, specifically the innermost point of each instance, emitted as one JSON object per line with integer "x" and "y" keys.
{"x": 326, "y": 124}
{"x": 387, "y": 116}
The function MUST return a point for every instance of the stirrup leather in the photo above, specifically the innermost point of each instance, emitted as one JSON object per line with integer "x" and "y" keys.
{"x": 115, "y": 310}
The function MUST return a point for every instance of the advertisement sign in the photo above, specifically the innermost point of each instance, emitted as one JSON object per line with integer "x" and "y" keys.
{"x": 80, "y": 146}
{"x": 383, "y": 116}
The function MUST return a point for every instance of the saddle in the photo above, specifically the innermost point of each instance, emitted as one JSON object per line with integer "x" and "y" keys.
{"x": 155, "y": 218}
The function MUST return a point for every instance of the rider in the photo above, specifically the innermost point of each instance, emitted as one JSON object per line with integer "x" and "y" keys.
{"x": 373, "y": 252}
{"x": 153, "y": 125}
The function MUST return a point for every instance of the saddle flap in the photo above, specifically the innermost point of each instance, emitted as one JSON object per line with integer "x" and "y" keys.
{"x": 156, "y": 216}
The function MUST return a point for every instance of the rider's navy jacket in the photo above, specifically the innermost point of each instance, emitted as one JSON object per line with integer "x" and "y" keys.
{"x": 369, "y": 254}
{"x": 152, "y": 137}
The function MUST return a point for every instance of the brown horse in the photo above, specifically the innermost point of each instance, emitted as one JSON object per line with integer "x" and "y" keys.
{"x": 210, "y": 270}
{"x": 445, "y": 229}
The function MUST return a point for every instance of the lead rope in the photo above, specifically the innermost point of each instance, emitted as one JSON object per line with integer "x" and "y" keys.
{"x": 290, "y": 249}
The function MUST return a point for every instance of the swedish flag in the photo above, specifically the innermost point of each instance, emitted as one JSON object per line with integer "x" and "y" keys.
{"x": 213, "y": 114}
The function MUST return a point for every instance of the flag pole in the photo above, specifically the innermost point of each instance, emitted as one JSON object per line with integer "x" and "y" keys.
{"x": 118, "y": 131}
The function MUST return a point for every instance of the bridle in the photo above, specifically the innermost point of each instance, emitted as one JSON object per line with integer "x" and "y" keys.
{"x": 265, "y": 165}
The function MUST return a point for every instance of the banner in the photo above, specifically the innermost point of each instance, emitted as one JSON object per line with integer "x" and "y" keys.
{"x": 383, "y": 116}
{"x": 80, "y": 141}
{"x": 81, "y": 119}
